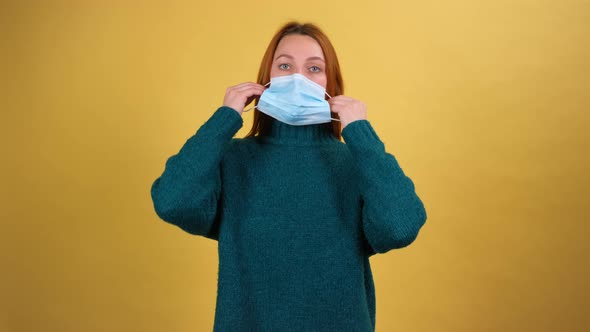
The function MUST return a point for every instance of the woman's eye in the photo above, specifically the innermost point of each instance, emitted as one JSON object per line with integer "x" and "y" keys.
{"x": 284, "y": 66}
{"x": 315, "y": 69}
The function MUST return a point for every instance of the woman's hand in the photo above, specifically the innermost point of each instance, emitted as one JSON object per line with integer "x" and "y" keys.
{"x": 348, "y": 109}
{"x": 238, "y": 96}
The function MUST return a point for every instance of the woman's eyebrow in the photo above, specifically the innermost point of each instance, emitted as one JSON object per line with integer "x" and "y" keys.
{"x": 291, "y": 57}
{"x": 315, "y": 58}
{"x": 285, "y": 55}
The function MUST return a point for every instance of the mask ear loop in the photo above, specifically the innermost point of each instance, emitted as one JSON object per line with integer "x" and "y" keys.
{"x": 254, "y": 105}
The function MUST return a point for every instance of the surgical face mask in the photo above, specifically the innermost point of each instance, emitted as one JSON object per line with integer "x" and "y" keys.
{"x": 295, "y": 100}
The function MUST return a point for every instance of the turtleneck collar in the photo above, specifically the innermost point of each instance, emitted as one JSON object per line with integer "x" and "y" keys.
{"x": 280, "y": 132}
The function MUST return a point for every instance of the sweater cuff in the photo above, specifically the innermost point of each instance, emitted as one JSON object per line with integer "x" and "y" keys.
{"x": 225, "y": 121}
{"x": 360, "y": 132}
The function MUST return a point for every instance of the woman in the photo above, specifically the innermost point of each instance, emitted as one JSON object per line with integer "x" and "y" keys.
{"x": 296, "y": 212}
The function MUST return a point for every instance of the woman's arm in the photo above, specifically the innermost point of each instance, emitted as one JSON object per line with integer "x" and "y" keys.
{"x": 187, "y": 192}
{"x": 392, "y": 212}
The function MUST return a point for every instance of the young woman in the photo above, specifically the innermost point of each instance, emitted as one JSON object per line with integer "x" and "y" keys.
{"x": 296, "y": 212}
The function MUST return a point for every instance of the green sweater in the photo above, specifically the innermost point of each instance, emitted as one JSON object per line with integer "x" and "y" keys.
{"x": 297, "y": 214}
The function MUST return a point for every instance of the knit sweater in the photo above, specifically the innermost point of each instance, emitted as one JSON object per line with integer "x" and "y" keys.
{"x": 297, "y": 213}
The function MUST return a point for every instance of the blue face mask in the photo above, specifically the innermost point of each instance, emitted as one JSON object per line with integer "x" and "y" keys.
{"x": 295, "y": 100}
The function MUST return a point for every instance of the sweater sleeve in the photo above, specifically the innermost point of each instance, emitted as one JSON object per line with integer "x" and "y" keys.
{"x": 187, "y": 192}
{"x": 392, "y": 212}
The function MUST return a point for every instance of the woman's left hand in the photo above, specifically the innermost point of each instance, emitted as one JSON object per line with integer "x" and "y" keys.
{"x": 348, "y": 109}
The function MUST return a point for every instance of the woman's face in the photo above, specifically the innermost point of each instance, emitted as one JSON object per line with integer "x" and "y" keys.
{"x": 299, "y": 54}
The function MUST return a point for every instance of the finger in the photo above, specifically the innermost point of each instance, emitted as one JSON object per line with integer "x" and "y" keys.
{"x": 240, "y": 88}
{"x": 247, "y": 85}
{"x": 251, "y": 90}
{"x": 339, "y": 103}
{"x": 341, "y": 98}
{"x": 335, "y": 108}
{"x": 246, "y": 92}
{"x": 254, "y": 91}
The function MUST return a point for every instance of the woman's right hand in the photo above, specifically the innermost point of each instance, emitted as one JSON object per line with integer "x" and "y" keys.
{"x": 238, "y": 96}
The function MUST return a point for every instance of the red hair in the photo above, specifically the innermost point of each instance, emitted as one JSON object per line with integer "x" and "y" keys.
{"x": 334, "y": 86}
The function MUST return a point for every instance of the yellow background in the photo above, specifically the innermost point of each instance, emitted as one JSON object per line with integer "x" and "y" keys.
{"x": 484, "y": 104}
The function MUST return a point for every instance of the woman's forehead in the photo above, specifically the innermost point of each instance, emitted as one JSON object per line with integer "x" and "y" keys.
{"x": 299, "y": 46}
